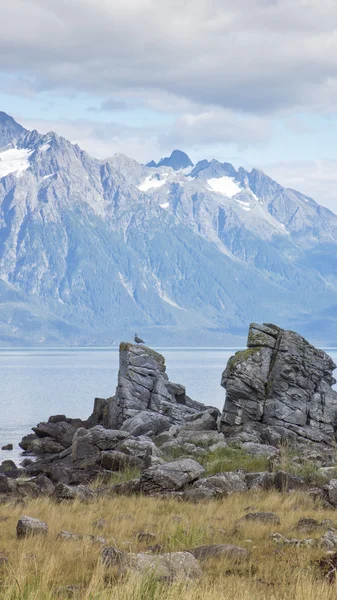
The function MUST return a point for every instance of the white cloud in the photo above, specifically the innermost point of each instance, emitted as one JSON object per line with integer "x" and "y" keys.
{"x": 252, "y": 55}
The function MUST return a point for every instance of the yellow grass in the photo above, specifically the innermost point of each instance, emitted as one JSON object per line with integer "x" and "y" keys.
{"x": 39, "y": 566}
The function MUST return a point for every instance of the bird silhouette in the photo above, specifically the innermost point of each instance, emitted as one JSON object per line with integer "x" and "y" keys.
{"x": 138, "y": 340}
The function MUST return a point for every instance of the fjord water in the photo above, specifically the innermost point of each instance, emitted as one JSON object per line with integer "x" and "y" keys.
{"x": 37, "y": 383}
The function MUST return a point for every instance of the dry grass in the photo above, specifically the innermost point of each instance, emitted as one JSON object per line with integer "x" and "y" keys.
{"x": 38, "y": 567}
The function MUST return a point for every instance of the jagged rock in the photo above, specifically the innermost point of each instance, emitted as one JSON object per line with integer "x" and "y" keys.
{"x": 199, "y": 438}
{"x": 263, "y": 450}
{"x": 281, "y": 539}
{"x": 228, "y": 550}
{"x": 45, "y": 486}
{"x": 262, "y": 517}
{"x": 139, "y": 447}
{"x": 7, "y": 485}
{"x": 263, "y": 480}
{"x": 332, "y": 492}
{"x": 90, "y": 443}
{"x": 216, "y": 486}
{"x": 146, "y": 423}
{"x": 7, "y": 447}
{"x": 204, "y": 421}
{"x": 143, "y": 385}
{"x": 174, "y": 566}
{"x": 284, "y": 482}
{"x": 46, "y": 445}
{"x": 118, "y": 461}
{"x": 280, "y": 381}
{"x": 7, "y": 465}
{"x": 126, "y": 488}
{"x": 60, "y": 430}
{"x": 26, "y": 442}
{"x": 170, "y": 476}
{"x": 67, "y": 492}
{"x": 27, "y": 526}
{"x": 329, "y": 540}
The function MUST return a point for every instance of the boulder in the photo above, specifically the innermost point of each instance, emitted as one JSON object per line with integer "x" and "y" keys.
{"x": 139, "y": 447}
{"x": 7, "y": 447}
{"x": 171, "y": 476}
{"x": 143, "y": 385}
{"x": 203, "y": 439}
{"x": 280, "y": 381}
{"x": 217, "y": 486}
{"x": 263, "y": 480}
{"x": 332, "y": 492}
{"x": 89, "y": 443}
{"x": 7, "y": 465}
{"x": 146, "y": 423}
{"x": 80, "y": 492}
{"x": 213, "y": 550}
{"x": 204, "y": 421}
{"x": 263, "y": 450}
{"x": 174, "y": 566}
{"x": 117, "y": 461}
{"x": 46, "y": 445}
{"x": 262, "y": 517}
{"x": 28, "y": 526}
{"x": 284, "y": 482}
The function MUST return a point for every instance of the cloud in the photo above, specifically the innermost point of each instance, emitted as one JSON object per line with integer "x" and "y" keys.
{"x": 216, "y": 126}
{"x": 102, "y": 139}
{"x": 257, "y": 56}
{"x": 317, "y": 179}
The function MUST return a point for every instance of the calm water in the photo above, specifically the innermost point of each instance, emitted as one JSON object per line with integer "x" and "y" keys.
{"x": 37, "y": 383}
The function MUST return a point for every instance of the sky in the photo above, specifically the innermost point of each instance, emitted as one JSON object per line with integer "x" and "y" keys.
{"x": 252, "y": 82}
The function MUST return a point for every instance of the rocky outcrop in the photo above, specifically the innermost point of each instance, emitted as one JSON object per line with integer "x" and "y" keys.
{"x": 280, "y": 387}
{"x": 143, "y": 388}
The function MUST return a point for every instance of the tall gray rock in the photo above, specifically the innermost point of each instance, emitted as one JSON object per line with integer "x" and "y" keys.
{"x": 144, "y": 388}
{"x": 280, "y": 383}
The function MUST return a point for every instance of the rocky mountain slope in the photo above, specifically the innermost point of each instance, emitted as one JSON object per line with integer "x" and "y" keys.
{"x": 91, "y": 251}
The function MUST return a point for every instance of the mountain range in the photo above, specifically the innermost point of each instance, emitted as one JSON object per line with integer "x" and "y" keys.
{"x": 92, "y": 251}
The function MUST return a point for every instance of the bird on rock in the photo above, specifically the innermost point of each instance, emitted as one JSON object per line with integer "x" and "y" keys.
{"x": 138, "y": 340}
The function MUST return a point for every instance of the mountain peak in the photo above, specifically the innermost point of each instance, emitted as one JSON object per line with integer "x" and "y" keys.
{"x": 178, "y": 160}
{"x": 9, "y": 129}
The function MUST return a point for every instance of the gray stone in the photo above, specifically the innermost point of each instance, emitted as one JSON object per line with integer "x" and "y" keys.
{"x": 285, "y": 482}
{"x": 263, "y": 480}
{"x": 204, "y": 421}
{"x": 46, "y": 445}
{"x": 117, "y": 461}
{"x": 146, "y": 423}
{"x": 170, "y": 476}
{"x": 143, "y": 385}
{"x": 7, "y": 465}
{"x": 332, "y": 492}
{"x": 28, "y": 526}
{"x": 199, "y": 438}
{"x": 7, "y": 447}
{"x": 67, "y": 535}
{"x": 260, "y": 450}
{"x": 139, "y": 447}
{"x": 220, "y": 485}
{"x": 281, "y": 381}
{"x": 174, "y": 566}
{"x": 80, "y": 492}
{"x": 329, "y": 540}
{"x": 262, "y": 517}
{"x": 228, "y": 550}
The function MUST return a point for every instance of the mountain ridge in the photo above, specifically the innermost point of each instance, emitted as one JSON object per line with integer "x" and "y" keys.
{"x": 98, "y": 248}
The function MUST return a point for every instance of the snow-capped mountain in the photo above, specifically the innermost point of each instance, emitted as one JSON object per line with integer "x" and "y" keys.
{"x": 91, "y": 251}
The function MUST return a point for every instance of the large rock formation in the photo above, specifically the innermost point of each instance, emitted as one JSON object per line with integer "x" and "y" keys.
{"x": 144, "y": 388}
{"x": 279, "y": 387}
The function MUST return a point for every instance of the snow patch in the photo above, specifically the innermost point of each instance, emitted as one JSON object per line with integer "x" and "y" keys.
{"x": 165, "y": 205}
{"x": 224, "y": 185}
{"x": 14, "y": 161}
{"x": 126, "y": 284}
{"x": 169, "y": 301}
{"x": 47, "y": 176}
{"x": 151, "y": 182}
{"x": 45, "y": 147}
{"x": 242, "y": 202}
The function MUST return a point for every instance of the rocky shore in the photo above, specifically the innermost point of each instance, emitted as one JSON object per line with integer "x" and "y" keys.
{"x": 279, "y": 396}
